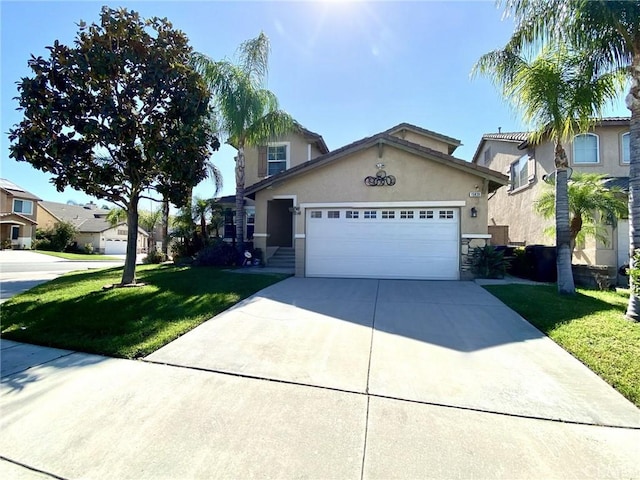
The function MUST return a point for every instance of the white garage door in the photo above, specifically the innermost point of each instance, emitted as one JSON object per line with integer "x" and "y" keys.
{"x": 115, "y": 247}
{"x": 413, "y": 243}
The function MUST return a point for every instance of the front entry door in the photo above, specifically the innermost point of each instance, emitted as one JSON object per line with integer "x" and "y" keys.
{"x": 280, "y": 223}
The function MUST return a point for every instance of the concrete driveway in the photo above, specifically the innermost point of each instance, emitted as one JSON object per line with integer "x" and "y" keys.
{"x": 326, "y": 378}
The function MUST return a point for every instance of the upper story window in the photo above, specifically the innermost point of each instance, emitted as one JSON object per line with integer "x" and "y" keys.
{"x": 519, "y": 172}
{"x": 626, "y": 151}
{"x": 23, "y": 206}
{"x": 277, "y": 158}
{"x": 487, "y": 156}
{"x": 586, "y": 148}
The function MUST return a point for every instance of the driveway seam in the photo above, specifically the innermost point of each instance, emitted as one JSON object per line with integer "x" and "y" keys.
{"x": 388, "y": 397}
{"x": 366, "y": 418}
{"x": 33, "y": 469}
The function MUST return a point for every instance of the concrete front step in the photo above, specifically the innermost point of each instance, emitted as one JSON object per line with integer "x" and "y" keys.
{"x": 285, "y": 257}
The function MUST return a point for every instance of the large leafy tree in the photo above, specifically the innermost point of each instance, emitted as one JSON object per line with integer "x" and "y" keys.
{"x": 119, "y": 114}
{"x": 557, "y": 93}
{"x": 249, "y": 113}
{"x": 591, "y": 203}
{"x": 608, "y": 32}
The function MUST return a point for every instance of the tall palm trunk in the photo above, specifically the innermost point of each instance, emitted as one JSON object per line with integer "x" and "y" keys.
{"x": 633, "y": 103}
{"x": 129, "y": 272}
{"x": 566, "y": 285}
{"x": 240, "y": 199}
{"x": 165, "y": 226}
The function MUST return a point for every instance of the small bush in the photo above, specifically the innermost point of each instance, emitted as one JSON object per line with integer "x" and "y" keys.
{"x": 634, "y": 273}
{"x": 219, "y": 253}
{"x": 43, "y": 244}
{"x": 88, "y": 248}
{"x": 154, "y": 256}
{"x": 489, "y": 262}
{"x": 6, "y": 244}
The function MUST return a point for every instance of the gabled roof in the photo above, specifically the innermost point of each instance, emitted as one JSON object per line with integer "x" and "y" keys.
{"x": 85, "y": 219}
{"x": 16, "y": 191}
{"x": 496, "y": 179}
{"x": 452, "y": 142}
{"x": 315, "y": 138}
{"x": 7, "y": 215}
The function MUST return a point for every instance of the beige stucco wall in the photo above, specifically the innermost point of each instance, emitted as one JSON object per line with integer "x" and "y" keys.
{"x": 298, "y": 153}
{"x": 428, "y": 142}
{"x": 6, "y": 205}
{"x": 516, "y": 208}
{"x": 417, "y": 179}
{"x": 45, "y": 219}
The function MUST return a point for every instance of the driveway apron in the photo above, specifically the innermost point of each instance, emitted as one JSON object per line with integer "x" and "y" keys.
{"x": 323, "y": 378}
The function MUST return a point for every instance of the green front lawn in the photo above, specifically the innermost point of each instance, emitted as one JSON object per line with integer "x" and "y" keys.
{"x": 78, "y": 256}
{"x": 591, "y": 326}
{"x": 75, "y": 313}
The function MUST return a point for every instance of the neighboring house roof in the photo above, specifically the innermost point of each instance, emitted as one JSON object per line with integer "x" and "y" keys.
{"x": 16, "y": 191}
{"x": 496, "y": 179}
{"x": 617, "y": 182}
{"x": 85, "y": 219}
{"x": 452, "y": 142}
{"x": 4, "y": 218}
{"x": 523, "y": 137}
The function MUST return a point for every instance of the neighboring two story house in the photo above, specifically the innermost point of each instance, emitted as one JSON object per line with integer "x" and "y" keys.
{"x": 393, "y": 205}
{"x": 512, "y": 218}
{"x": 93, "y": 227}
{"x": 18, "y": 215}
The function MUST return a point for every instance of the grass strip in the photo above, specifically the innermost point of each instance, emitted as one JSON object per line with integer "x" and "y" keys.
{"x": 74, "y": 312}
{"x": 590, "y": 325}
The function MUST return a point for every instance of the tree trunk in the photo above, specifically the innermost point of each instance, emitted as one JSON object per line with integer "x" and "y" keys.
{"x": 633, "y": 104}
{"x": 129, "y": 272}
{"x": 240, "y": 200}
{"x": 165, "y": 226}
{"x": 566, "y": 285}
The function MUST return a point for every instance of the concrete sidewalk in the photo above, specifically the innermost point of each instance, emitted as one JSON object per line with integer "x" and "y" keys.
{"x": 323, "y": 378}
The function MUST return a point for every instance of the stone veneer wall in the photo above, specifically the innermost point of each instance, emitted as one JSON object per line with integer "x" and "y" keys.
{"x": 467, "y": 244}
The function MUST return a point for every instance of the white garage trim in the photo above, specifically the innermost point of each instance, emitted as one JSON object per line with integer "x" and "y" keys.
{"x": 115, "y": 247}
{"x": 414, "y": 242}
{"x": 448, "y": 203}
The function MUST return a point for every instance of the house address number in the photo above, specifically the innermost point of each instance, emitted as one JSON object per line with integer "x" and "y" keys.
{"x": 475, "y": 194}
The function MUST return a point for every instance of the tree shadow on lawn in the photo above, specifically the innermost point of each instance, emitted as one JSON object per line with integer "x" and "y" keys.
{"x": 123, "y": 322}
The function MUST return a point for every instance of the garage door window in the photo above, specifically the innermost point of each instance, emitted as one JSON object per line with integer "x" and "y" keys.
{"x": 333, "y": 214}
{"x": 406, "y": 214}
{"x": 316, "y": 214}
{"x": 388, "y": 214}
{"x": 352, "y": 214}
{"x": 425, "y": 214}
{"x": 446, "y": 213}
{"x": 370, "y": 214}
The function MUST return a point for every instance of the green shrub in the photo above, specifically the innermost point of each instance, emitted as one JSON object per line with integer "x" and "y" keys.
{"x": 488, "y": 262}
{"x": 43, "y": 244}
{"x": 154, "y": 256}
{"x": 6, "y": 244}
{"x": 219, "y": 253}
{"x": 88, "y": 248}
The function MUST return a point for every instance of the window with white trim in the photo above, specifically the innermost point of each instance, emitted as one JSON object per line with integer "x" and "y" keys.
{"x": 370, "y": 214}
{"x": 626, "y": 150}
{"x": 425, "y": 214}
{"x": 316, "y": 214}
{"x": 487, "y": 156}
{"x": 122, "y": 232}
{"x": 388, "y": 214}
{"x": 352, "y": 214}
{"x": 277, "y": 158}
{"x": 406, "y": 213}
{"x": 586, "y": 148}
{"x": 446, "y": 214}
{"x": 519, "y": 172}
{"x": 22, "y": 206}
{"x": 333, "y": 214}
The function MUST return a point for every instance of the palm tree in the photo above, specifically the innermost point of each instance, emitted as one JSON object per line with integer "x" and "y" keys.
{"x": 116, "y": 216}
{"x": 557, "y": 93}
{"x": 148, "y": 220}
{"x": 590, "y": 203}
{"x": 608, "y": 32}
{"x": 249, "y": 113}
{"x": 200, "y": 209}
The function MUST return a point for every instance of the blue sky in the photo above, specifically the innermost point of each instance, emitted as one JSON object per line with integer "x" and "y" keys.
{"x": 345, "y": 70}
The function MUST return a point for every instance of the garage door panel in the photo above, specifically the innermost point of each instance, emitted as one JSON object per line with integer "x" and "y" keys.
{"x": 417, "y": 248}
